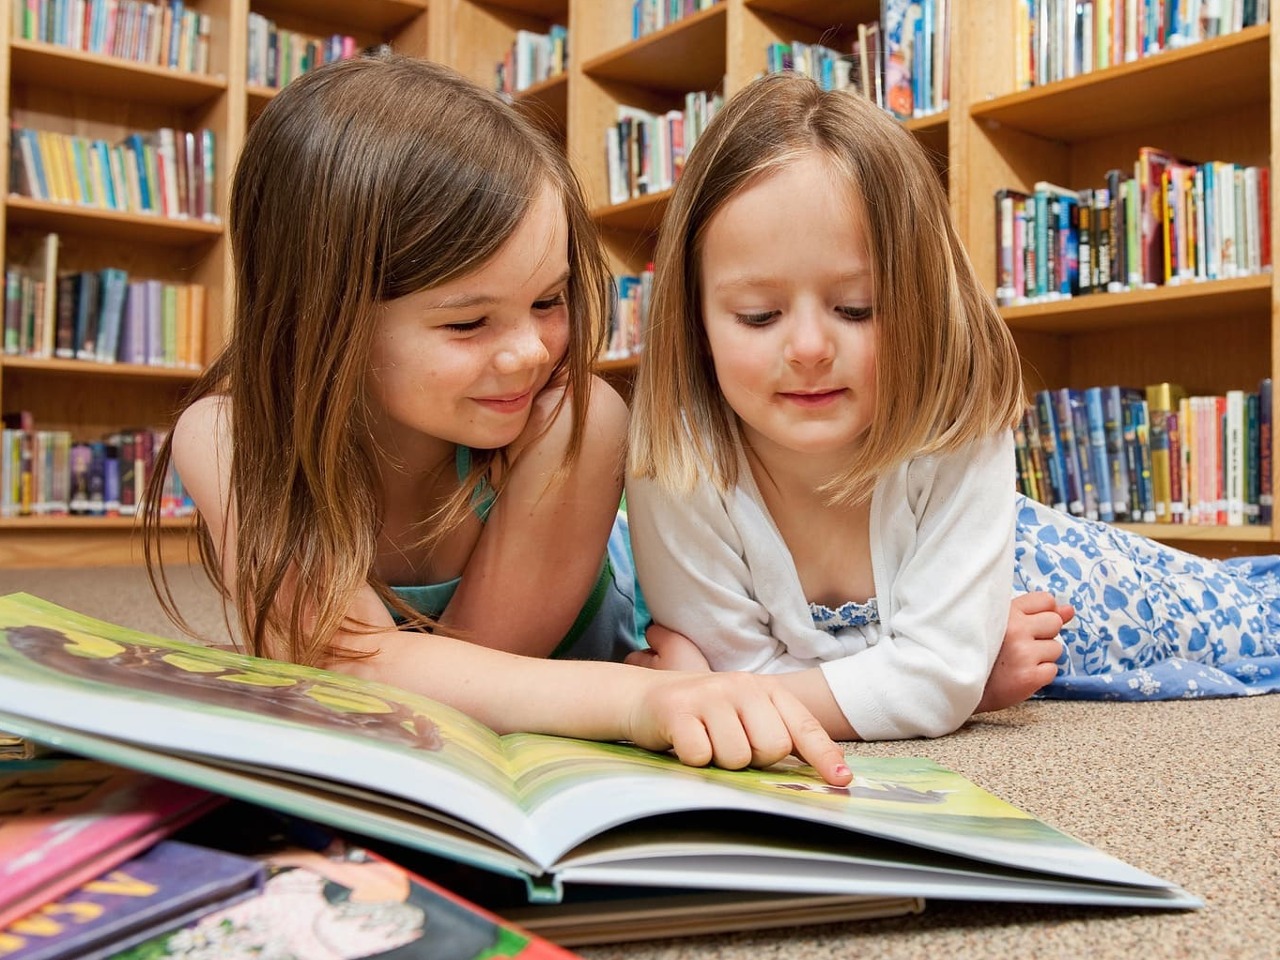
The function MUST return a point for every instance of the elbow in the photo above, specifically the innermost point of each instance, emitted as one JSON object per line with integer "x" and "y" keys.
{"x": 950, "y": 709}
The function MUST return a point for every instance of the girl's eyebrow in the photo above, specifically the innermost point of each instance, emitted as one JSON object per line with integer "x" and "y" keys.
{"x": 461, "y": 301}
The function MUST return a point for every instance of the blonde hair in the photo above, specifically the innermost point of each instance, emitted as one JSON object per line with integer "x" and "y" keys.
{"x": 947, "y": 370}
{"x": 361, "y": 182}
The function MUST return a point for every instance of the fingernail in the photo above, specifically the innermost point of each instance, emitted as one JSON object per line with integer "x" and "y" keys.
{"x": 841, "y": 770}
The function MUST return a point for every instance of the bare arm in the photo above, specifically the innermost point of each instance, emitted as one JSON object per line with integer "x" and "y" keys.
{"x": 544, "y": 541}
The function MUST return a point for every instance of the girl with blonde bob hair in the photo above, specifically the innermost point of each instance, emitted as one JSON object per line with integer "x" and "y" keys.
{"x": 821, "y": 468}
{"x": 403, "y": 436}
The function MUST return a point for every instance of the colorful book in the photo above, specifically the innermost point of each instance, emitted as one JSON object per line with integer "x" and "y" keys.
{"x": 346, "y": 902}
{"x": 553, "y": 812}
{"x": 64, "y": 822}
{"x": 158, "y": 890}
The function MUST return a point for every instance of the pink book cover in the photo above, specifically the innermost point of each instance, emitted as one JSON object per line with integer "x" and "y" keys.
{"x": 65, "y": 821}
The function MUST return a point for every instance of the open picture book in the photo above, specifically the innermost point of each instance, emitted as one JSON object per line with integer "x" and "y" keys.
{"x": 558, "y": 814}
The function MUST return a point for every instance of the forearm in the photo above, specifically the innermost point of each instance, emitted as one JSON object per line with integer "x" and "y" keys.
{"x": 810, "y": 687}
{"x": 504, "y": 691}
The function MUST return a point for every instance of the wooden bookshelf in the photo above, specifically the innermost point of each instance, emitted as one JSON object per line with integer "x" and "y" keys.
{"x": 67, "y": 91}
{"x": 1214, "y": 100}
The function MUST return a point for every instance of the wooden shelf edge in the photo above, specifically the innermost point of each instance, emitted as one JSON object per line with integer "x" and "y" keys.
{"x": 58, "y": 365}
{"x": 99, "y": 74}
{"x": 1185, "y": 532}
{"x": 93, "y": 543}
{"x": 1101, "y": 311}
{"x": 616, "y": 364}
{"x": 78, "y": 217}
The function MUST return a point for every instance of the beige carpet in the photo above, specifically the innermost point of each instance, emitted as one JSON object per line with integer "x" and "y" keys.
{"x": 1187, "y": 791}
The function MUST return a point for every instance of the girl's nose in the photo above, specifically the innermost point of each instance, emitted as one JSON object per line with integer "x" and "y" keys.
{"x": 522, "y": 349}
{"x": 808, "y": 342}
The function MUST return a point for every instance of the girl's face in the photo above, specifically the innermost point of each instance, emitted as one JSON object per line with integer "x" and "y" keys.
{"x": 787, "y": 304}
{"x": 462, "y": 362}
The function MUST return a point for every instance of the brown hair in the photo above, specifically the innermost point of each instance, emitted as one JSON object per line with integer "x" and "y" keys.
{"x": 946, "y": 366}
{"x": 361, "y": 182}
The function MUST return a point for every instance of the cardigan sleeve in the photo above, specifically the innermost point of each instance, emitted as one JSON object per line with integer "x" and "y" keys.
{"x": 950, "y": 598}
{"x": 696, "y": 581}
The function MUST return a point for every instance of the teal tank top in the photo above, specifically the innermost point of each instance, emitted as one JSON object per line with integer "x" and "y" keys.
{"x": 605, "y": 628}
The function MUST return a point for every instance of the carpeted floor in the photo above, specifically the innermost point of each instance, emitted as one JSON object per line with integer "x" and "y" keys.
{"x": 1187, "y": 791}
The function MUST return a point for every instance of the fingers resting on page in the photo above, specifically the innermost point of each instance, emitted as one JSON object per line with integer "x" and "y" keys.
{"x": 735, "y": 720}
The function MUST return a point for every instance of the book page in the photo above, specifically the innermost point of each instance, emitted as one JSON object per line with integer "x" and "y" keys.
{"x": 61, "y": 668}
{"x": 572, "y": 790}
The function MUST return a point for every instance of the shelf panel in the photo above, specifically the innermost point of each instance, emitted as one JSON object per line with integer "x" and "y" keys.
{"x": 619, "y": 365}
{"x": 88, "y": 368}
{"x": 77, "y": 523}
{"x": 61, "y": 68}
{"x": 379, "y": 16}
{"x": 687, "y": 55}
{"x": 70, "y": 218}
{"x": 553, "y": 11}
{"x": 843, "y": 14}
{"x": 1176, "y": 85}
{"x": 548, "y": 99}
{"x": 1210, "y": 534}
{"x": 32, "y": 542}
{"x": 642, "y": 215}
{"x": 1170, "y": 304}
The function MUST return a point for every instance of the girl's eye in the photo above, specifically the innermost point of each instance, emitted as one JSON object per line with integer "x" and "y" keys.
{"x": 550, "y": 303}
{"x": 755, "y": 319}
{"x": 857, "y": 314}
{"x": 470, "y": 326}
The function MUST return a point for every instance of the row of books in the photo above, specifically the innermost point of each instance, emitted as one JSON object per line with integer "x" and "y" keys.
{"x": 166, "y": 172}
{"x": 917, "y": 56}
{"x": 45, "y": 473}
{"x": 630, "y": 311}
{"x": 1149, "y": 456}
{"x": 278, "y": 56}
{"x": 533, "y": 58}
{"x": 100, "y": 315}
{"x": 164, "y": 33}
{"x": 1057, "y": 39}
{"x": 645, "y": 151}
{"x": 648, "y": 16}
{"x": 1171, "y": 222}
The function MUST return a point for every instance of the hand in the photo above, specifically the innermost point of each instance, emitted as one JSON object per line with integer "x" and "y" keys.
{"x": 669, "y": 650}
{"x": 1028, "y": 657}
{"x": 733, "y": 720}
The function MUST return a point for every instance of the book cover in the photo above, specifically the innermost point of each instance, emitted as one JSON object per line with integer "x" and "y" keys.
{"x": 160, "y": 889}
{"x": 65, "y": 821}
{"x": 344, "y": 903}
{"x": 555, "y": 812}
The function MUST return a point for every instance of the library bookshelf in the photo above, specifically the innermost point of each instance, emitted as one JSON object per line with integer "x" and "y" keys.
{"x": 59, "y": 89}
{"x": 1213, "y": 100}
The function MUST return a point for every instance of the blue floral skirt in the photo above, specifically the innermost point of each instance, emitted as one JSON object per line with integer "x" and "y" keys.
{"x": 1152, "y": 623}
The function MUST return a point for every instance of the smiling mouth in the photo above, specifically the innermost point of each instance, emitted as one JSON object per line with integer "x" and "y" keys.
{"x": 509, "y": 403}
{"x": 812, "y": 397}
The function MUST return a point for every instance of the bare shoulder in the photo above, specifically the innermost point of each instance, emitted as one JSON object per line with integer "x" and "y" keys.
{"x": 551, "y": 421}
{"x": 202, "y": 450}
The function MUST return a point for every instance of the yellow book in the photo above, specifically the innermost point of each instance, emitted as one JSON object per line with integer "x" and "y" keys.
{"x": 198, "y": 304}
{"x": 1162, "y": 399}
